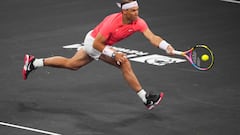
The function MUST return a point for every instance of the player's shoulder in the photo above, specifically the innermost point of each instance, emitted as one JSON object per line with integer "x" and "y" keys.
{"x": 113, "y": 18}
{"x": 141, "y": 21}
{"x": 114, "y": 15}
{"x": 140, "y": 24}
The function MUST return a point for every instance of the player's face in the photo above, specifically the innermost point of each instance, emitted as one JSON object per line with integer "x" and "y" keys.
{"x": 132, "y": 13}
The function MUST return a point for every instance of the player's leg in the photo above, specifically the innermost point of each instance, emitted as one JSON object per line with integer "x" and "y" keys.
{"x": 149, "y": 99}
{"x": 127, "y": 71}
{"x": 80, "y": 59}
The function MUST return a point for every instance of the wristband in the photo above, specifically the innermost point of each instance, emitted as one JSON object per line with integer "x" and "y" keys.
{"x": 108, "y": 51}
{"x": 163, "y": 45}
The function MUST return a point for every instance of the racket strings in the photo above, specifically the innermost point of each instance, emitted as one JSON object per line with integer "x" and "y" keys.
{"x": 197, "y": 59}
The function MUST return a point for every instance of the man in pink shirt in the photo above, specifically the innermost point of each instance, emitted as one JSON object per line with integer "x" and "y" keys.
{"x": 97, "y": 45}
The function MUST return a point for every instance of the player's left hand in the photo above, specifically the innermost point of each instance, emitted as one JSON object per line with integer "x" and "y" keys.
{"x": 120, "y": 57}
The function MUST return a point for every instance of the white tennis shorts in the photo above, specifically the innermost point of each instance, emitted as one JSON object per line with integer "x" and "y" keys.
{"x": 88, "y": 46}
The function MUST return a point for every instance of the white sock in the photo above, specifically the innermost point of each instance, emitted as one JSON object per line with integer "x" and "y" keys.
{"x": 38, "y": 63}
{"x": 142, "y": 94}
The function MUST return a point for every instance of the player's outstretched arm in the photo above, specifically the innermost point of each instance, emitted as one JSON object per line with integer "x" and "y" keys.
{"x": 157, "y": 41}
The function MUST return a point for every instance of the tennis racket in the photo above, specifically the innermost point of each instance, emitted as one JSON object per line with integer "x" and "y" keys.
{"x": 200, "y": 56}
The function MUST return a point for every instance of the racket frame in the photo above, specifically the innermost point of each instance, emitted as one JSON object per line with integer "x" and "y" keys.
{"x": 188, "y": 55}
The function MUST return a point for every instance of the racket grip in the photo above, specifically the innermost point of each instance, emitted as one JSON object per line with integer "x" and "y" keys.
{"x": 177, "y": 52}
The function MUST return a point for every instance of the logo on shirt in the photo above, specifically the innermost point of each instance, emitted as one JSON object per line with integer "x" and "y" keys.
{"x": 130, "y": 30}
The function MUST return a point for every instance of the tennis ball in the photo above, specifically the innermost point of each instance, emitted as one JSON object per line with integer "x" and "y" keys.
{"x": 205, "y": 57}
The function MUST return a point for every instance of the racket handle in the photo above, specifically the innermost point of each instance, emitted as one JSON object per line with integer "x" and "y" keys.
{"x": 178, "y": 52}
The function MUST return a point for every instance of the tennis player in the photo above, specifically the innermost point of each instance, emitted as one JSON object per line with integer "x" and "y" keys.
{"x": 98, "y": 45}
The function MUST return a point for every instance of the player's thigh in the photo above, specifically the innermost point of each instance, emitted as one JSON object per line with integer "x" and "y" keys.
{"x": 109, "y": 60}
{"x": 80, "y": 58}
{"x": 123, "y": 66}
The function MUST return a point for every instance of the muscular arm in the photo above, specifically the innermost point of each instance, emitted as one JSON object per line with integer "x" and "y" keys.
{"x": 153, "y": 39}
{"x": 98, "y": 43}
{"x": 156, "y": 40}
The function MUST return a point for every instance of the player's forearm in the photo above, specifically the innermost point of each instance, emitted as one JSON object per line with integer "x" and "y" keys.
{"x": 156, "y": 40}
{"x": 106, "y": 50}
{"x": 162, "y": 44}
{"x": 98, "y": 45}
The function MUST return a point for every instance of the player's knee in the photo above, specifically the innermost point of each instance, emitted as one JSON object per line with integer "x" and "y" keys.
{"x": 126, "y": 62}
{"x": 126, "y": 65}
{"x": 72, "y": 65}
{"x": 73, "y": 68}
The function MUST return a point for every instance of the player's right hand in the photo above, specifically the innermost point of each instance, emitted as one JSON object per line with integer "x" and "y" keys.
{"x": 170, "y": 50}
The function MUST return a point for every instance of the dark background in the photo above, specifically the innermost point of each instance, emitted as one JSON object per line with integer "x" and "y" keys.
{"x": 95, "y": 100}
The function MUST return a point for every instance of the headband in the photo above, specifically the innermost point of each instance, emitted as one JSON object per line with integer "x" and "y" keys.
{"x": 128, "y": 5}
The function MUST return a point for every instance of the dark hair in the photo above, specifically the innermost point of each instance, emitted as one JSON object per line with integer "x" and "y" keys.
{"x": 126, "y": 1}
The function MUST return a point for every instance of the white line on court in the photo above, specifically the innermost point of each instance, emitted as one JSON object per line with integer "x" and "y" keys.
{"x": 28, "y": 128}
{"x": 233, "y": 1}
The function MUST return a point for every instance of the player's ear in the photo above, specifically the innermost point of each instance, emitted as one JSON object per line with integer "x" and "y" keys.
{"x": 124, "y": 11}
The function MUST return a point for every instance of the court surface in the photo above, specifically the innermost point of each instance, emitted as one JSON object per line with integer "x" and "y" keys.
{"x": 95, "y": 100}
